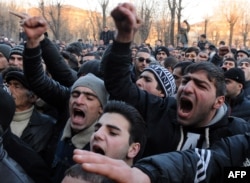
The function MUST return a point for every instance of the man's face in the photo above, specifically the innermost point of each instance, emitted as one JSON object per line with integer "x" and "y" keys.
{"x": 3, "y": 62}
{"x": 241, "y": 55}
{"x": 84, "y": 108}
{"x": 177, "y": 76}
{"x": 16, "y": 60}
{"x": 202, "y": 57}
{"x": 111, "y": 136}
{"x": 161, "y": 55}
{"x": 233, "y": 88}
{"x": 196, "y": 100}
{"x": 21, "y": 95}
{"x": 190, "y": 56}
{"x": 142, "y": 61}
{"x": 245, "y": 66}
{"x": 228, "y": 64}
{"x": 148, "y": 82}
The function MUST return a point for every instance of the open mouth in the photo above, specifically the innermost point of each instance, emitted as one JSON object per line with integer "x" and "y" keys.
{"x": 79, "y": 113}
{"x": 185, "y": 105}
{"x": 98, "y": 150}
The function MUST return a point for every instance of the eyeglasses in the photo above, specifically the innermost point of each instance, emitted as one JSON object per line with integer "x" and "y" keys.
{"x": 141, "y": 59}
{"x": 190, "y": 55}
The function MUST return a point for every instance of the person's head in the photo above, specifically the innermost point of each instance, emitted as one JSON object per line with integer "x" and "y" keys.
{"x": 16, "y": 56}
{"x": 142, "y": 60}
{"x": 235, "y": 81}
{"x": 4, "y": 56}
{"x": 244, "y": 64}
{"x": 191, "y": 54}
{"x": 201, "y": 94}
{"x": 20, "y": 90}
{"x": 202, "y": 56}
{"x": 228, "y": 63}
{"x": 178, "y": 72}
{"x": 169, "y": 63}
{"x": 76, "y": 174}
{"x": 240, "y": 54}
{"x": 134, "y": 50}
{"x": 161, "y": 53}
{"x": 88, "y": 97}
{"x": 7, "y": 110}
{"x": 120, "y": 133}
{"x": 203, "y": 37}
{"x": 157, "y": 80}
{"x": 90, "y": 56}
{"x": 229, "y": 55}
{"x": 92, "y": 66}
{"x": 75, "y": 49}
{"x": 223, "y": 50}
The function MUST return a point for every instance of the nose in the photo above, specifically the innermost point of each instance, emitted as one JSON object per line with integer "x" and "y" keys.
{"x": 99, "y": 135}
{"x": 139, "y": 82}
{"x": 187, "y": 87}
{"x": 81, "y": 99}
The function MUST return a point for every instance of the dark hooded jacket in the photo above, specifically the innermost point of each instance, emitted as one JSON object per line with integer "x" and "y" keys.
{"x": 164, "y": 134}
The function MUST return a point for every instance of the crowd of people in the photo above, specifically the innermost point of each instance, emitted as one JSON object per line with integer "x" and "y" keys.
{"x": 121, "y": 112}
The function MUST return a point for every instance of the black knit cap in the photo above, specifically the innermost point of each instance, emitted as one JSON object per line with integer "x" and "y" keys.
{"x": 17, "y": 50}
{"x": 235, "y": 74}
{"x": 162, "y": 48}
{"x": 19, "y": 76}
{"x": 7, "y": 109}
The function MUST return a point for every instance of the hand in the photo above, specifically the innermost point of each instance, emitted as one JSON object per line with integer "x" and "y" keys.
{"x": 116, "y": 170}
{"x": 126, "y": 21}
{"x": 34, "y": 27}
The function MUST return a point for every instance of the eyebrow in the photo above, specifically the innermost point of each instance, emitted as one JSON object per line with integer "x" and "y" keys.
{"x": 84, "y": 92}
{"x": 108, "y": 125}
{"x": 196, "y": 80}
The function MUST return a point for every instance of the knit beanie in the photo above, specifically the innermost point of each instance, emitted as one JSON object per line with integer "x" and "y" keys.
{"x": 7, "y": 109}
{"x": 17, "y": 50}
{"x": 235, "y": 74}
{"x": 92, "y": 66}
{"x": 95, "y": 84}
{"x": 164, "y": 77}
{"x": 5, "y": 50}
{"x": 19, "y": 76}
{"x": 162, "y": 48}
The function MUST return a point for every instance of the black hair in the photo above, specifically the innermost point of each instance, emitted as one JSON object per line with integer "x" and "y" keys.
{"x": 137, "y": 128}
{"x": 214, "y": 73}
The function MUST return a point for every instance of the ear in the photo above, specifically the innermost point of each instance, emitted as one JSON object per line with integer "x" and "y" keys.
{"x": 32, "y": 98}
{"x": 133, "y": 150}
{"x": 240, "y": 86}
{"x": 100, "y": 110}
{"x": 219, "y": 102}
{"x": 161, "y": 94}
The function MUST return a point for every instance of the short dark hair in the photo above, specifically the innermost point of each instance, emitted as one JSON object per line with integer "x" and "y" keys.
{"x": 76, "y": 171}
{"x": 183, "y": 66}
{"x": 203, "y": 35}
{"x": 191, "y": 49}
{"x": 214, "y": 73}
{"x": 138, "y": 126}
{"x": 170, "y": 62}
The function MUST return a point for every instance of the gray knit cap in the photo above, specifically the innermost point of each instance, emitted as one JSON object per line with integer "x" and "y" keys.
{"x": 5, "y": 50}
{"x": 94, "y": 83}
{"x": 164, "y": 77}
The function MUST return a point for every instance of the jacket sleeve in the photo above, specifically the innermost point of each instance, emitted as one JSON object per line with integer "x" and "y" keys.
{"x": 198, "y": 165}
{"x": 56, "y": 65}
{"x": 45, "y": 87}
{"x": 116, "y": 67}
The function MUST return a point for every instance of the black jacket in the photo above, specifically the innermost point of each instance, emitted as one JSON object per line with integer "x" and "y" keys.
{"x": 26, "y": 157}
{"x": 239, "y": 106}
{"x": 10, "y": 171}
{"x": 247, "y": 89}
{"x": 198, "y": 165}
{"x": 38, "y": 131}
{"x": 164, "y": 132}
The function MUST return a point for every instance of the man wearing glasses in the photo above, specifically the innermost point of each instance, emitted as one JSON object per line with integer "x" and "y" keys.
{"x": 142, "y": 60}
